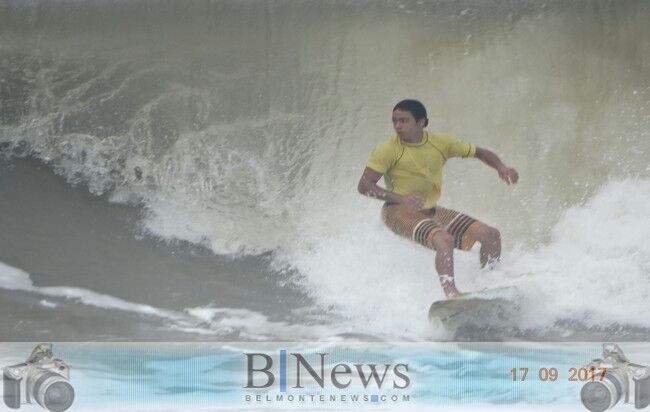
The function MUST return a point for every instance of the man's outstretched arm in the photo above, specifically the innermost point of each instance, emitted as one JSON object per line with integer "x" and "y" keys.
{"x": 368, "y": 186}
{"x": 507, "y": 174}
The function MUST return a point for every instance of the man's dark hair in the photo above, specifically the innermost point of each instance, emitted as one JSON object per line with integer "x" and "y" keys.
{"x": 415, "y": 107}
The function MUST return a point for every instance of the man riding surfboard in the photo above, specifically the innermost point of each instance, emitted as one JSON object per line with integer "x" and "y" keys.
{"x": 411, "y": 163}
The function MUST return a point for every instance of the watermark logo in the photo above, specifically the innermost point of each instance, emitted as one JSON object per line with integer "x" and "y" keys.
{"x": 618, "y": 379}
{"x": 288, "y": 377}
{"x": 41, "y": 379}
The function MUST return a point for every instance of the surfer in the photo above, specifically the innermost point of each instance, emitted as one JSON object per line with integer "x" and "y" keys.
{"x": 411, "y": 163}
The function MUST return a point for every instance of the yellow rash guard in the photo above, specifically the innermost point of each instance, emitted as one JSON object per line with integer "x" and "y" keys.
{"x": 416, "y": 168}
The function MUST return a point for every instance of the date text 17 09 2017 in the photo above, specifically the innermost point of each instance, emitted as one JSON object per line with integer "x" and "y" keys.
{"x": 552, "y": 374}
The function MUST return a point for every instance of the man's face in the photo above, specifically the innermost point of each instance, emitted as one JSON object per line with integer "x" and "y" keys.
{"x": 405, "y": 125}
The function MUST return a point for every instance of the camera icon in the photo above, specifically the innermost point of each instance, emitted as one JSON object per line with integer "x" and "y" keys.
{"x": 41, "y": 378}
{"x": 618, "y": 379}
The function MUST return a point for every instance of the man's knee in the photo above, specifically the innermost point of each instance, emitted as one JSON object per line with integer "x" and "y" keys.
{"x": 487, "y": 234}
{"x": 443, "y": 241}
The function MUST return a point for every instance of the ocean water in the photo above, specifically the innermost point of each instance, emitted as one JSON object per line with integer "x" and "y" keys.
{"x": 188, "y": 170}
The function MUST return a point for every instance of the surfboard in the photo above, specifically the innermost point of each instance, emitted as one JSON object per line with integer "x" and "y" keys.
{"x": 484, "y": 304}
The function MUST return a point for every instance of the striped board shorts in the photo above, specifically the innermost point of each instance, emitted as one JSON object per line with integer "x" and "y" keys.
{"x": 421, "y": 225}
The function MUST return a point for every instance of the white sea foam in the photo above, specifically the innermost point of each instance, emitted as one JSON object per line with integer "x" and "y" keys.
{"x": 252, "y": 325}
{"x": 596, "y": 270}
{"x": 47, "y": 303}
{"x": 15, "y": 279}
{"x": 246, "y": 324}
{"x": 243, "y": 160}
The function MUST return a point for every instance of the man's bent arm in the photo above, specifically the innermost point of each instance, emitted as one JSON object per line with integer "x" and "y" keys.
{"x": 508, "y": 174}
{"x": 368, "y": 186}
{"x": 489, "y": 158}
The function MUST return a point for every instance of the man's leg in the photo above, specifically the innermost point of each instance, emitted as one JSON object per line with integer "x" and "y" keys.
{"x": 443, "y": 243}
{"x": 490, "y": 240}
{"x": 421, "y": 227}
{"x": 466, "y": 231}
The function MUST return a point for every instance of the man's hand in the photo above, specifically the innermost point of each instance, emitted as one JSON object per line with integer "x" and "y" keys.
{"x": 508, "y": 174}
{"x": 412, "y": 201}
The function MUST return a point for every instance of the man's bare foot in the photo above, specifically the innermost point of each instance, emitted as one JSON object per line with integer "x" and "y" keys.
{"x": 451, "y": 292}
